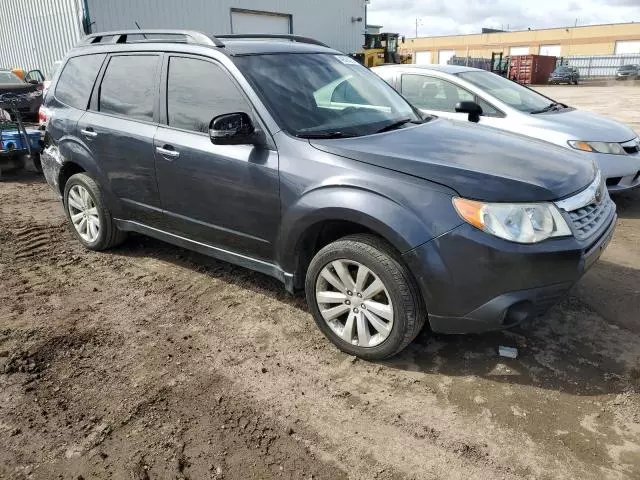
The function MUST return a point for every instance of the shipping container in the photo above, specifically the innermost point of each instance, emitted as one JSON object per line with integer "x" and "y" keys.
{"x": 531, "y": 69}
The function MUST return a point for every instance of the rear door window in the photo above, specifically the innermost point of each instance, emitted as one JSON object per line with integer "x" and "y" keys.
{"x": 129, "y": 87}
{"x": 77, "y": 79}
{"x": 197, "y": 91}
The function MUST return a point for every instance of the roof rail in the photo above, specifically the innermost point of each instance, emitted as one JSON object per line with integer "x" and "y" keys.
{"x": 120, "y": 36}
{"x": 293, "y": 38}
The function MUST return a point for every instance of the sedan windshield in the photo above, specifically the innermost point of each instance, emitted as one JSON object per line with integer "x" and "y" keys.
{"x": 9, "y": 77}
{"x": 511, "y": 93}
{"x": 325, "y": 95}
{"x": 628, "y": 67}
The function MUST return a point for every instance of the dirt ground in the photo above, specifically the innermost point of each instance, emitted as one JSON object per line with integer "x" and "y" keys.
{"x": 151, "y": 362}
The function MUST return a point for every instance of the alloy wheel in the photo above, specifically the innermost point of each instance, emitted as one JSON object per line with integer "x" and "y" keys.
{"x": 83, "y": 213}
{"x": 354, "y": 302}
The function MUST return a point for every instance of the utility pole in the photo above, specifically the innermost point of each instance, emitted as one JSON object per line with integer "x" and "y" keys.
{"x": 418, "y": 23}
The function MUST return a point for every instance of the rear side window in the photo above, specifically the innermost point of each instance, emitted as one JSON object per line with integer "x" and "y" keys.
{"x": 77, "y": 79}
{"x": 129, "y": 86}
{"x": 197, "y": 91}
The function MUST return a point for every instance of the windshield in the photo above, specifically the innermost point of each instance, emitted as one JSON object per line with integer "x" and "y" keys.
{"x": 562, "y": 70}
{"x": 324, "y": 94}
{"x": 8, "y": 77}
{"x": 511, "y": 93}
{"x": 628, "y": 67}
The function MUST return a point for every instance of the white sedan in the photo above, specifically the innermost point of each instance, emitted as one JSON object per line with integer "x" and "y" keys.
{"x": 463, "y": 93}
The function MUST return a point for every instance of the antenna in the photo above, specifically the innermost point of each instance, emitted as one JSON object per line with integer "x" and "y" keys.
{"x": 145, "y": 37}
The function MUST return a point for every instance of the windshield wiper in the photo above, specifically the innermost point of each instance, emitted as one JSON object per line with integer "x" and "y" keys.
{"x": 396, "y": 124}
{"x": 334, "y": 134}
{"x": 551, "y": 107}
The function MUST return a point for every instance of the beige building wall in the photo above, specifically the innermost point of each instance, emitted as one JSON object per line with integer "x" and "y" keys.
{"x": 587, "y": 40}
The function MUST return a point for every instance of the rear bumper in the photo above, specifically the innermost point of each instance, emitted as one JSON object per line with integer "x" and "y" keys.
{"x": 51, "y": 162}
{"x": 474, "y": 282}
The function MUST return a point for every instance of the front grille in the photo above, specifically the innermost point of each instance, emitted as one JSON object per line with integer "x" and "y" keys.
{"x": 586, "y": 220}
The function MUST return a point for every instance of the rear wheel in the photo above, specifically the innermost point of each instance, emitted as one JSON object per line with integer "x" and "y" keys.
{"x": 86, "y": 211}
{"x": 363, "y": 297}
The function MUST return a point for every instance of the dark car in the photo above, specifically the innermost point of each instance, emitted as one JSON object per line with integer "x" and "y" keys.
{"x": 235, "y": 148}
{"x": 565, "y": 74}
{"x": 29, "y": 90}
{"x": 628, "y": 72}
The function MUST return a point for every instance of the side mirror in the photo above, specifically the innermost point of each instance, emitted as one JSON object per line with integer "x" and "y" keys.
{"x": 232, "y": 129}
{"x": 472, "y": 108}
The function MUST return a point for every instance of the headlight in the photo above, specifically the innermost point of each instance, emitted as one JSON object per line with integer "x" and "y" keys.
{"x": 35, "y": 94}
{"x": 599, "y": 147}
{"x": 516, "y": 222}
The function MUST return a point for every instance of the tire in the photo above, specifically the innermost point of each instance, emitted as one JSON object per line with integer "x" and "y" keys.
{"x": 400, "y": 297}
{"x": 107, "y": 234}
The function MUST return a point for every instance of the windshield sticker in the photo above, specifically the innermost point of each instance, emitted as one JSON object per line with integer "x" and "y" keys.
{"x": 346, "y": 60}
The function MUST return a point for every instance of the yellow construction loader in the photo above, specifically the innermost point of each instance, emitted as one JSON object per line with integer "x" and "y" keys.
{"x": 381, "y": 49}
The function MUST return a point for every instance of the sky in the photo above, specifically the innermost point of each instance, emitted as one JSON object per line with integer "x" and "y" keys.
{"x": 448, "y": 17}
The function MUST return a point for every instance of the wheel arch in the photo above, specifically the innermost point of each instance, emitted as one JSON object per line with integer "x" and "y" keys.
{"x": 325, "y": 215}
{"x": 77, "y": 158}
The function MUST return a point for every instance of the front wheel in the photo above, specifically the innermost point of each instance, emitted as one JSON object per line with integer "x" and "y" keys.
{"x": 363, "y": 298}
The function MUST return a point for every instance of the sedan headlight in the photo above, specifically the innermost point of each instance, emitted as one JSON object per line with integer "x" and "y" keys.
{"x": 516, "y": 222}
{"x": 599, "y": 147}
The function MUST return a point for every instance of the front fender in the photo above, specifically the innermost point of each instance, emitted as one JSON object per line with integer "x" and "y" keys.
{"x": 387, "y": 218}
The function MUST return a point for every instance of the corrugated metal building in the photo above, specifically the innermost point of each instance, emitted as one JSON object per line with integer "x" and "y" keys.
{"x": 35, "y": 33}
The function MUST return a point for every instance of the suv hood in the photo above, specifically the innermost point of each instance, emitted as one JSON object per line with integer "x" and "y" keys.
{"x": 478, "y": 162}
{"x": 581, "y": 125}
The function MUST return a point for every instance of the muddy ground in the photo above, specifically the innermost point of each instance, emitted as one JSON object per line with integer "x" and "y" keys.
{"x": 152, "y": 362}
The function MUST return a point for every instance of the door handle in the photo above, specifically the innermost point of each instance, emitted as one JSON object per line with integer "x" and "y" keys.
{"x": 167, "y": 152}
{"x": 88, "y": 132}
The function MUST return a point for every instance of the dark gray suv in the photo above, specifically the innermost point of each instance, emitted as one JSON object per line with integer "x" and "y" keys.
{"x": 284, "y": 156}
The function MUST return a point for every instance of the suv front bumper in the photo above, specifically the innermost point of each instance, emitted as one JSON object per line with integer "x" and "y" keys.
{"x": 473, "y": 282}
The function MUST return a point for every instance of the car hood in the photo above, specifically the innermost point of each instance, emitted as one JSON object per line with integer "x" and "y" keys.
{"x": 581, "y": 125}
{"x": 478, "y": 162}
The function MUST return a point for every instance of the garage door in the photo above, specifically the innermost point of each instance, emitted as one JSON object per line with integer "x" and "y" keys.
{"x": 551, "y": 50}
{"x": 519, "y": 51}
{"x": 423, "y": 58}
{"x": 628, "y": 46}
{"x": 259, "y": 22}
{"x": 445, "y": 55}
